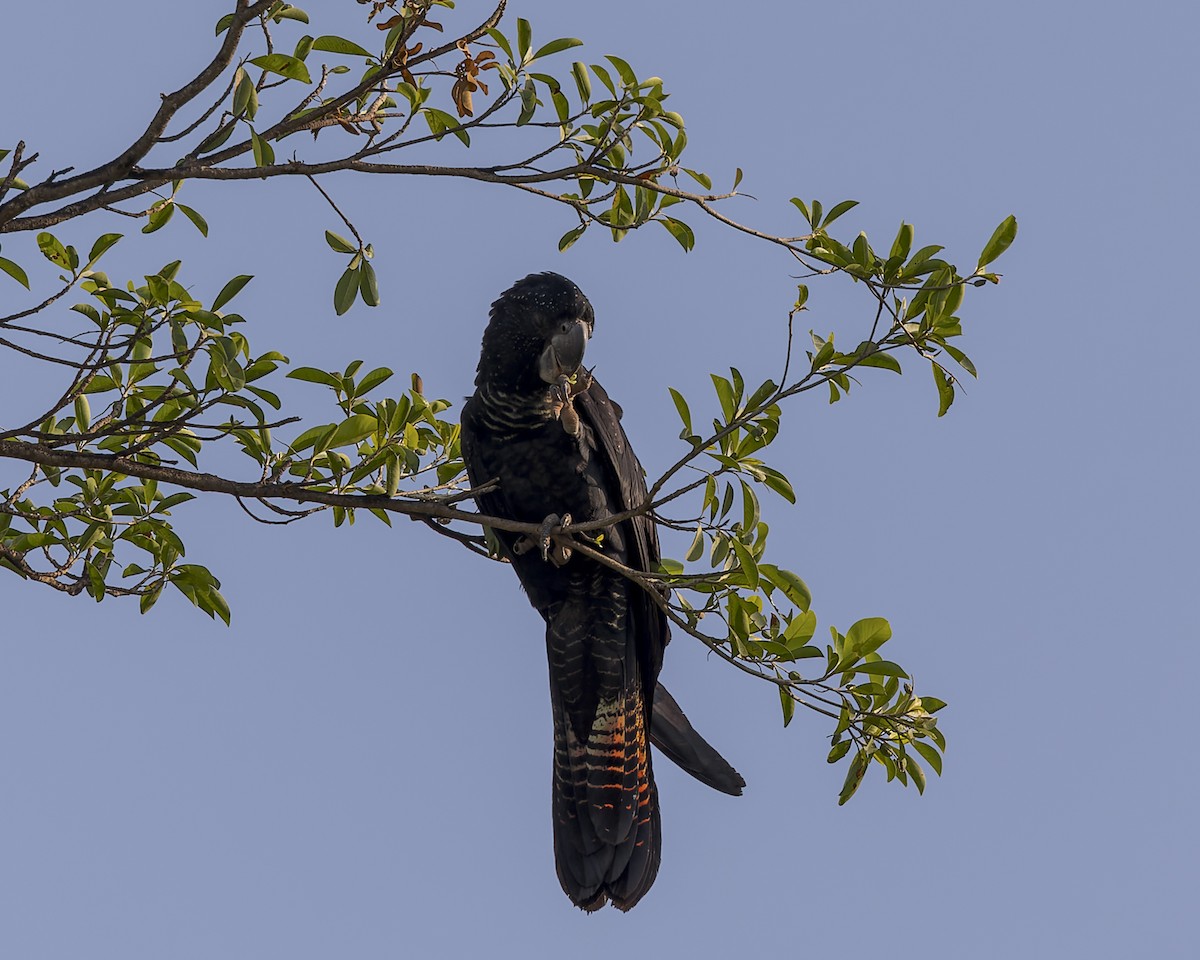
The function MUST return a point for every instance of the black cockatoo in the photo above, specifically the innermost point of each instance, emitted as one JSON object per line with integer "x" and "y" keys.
{"x": 541, "y": 425}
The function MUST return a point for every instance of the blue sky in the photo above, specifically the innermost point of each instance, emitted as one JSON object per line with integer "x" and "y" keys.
{"x": 359, "y": 766}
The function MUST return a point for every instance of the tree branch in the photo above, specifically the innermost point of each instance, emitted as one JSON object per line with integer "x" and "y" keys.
{"x": 119, "y": 166}
{"x": 427, "y": 508}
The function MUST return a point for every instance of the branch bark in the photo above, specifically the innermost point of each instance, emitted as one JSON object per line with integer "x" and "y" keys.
{"x": 420, "y": 509}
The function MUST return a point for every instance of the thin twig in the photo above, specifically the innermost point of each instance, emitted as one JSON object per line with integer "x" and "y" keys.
{"x": 337, "y": 210}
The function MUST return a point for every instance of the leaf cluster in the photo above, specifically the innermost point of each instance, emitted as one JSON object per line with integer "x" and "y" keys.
{"x": 758, "y": 615}
{"x": 161, "y": 377}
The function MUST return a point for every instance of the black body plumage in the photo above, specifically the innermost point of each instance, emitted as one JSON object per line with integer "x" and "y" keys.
{"x": 547, "y": 431}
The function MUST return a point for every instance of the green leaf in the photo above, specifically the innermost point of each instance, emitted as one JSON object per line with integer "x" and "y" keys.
{"x": 90, "y": 312}
{"x": 229, "y": 291}
{"x": 1000, "y": 241}
{"x": 149, "y": 599}
{"x": 882, "y": 668}
{"x": 561, "y": 105}
{"x": 839, "y": 750}
{"x": 628, "y": 77}
{"x": 725, "y": 395}
{"x": 942, "y": 307}
{"x": 903, "y": 242}
{"x": 824, "y": 352}
{"x": 583, "y": 83}
{"x": 346, "y": 290}
{"x": 945, "y": 389}
{"x": 245, "y": 101}
{"x": 932, "y": 757}
{"x": 103, "y": 243}
{"x": 53, "y": 250}
{"x": 913, "y": 769}
{"x": 854, "y": 777}
{"x": 173, "y": 501}
{"x": 310, "y": 436}
{"x": 800, "y": 631}
{"x": 963, "y": 360}
{"x": 681, "y": 406}
{"x": 795, "y": 589}
{"x": 222, "y": 25}
{"x": 218, "y": 607}
{"x": 556, "y": 46}
{"x": 339, "y": 243}
{"x": 528, "y": 103}
{"x": 284, "y": 65}
{"x": 862, "y": 250}
{"x": 779, "y": 483}
{"x": 372, "y": 380}
{"x": 803, "y": 208}
{"x": 838, "y": 210}
{"x": 751, "y": 510}
{"x": 313, "y": 375}
{"x": 216, "y": 138}
{"x": 95, "y": 581}
{"x": 159, "y": 218}
{"x": 352, "y": 430}
{"x": 502, "y": 42}
{"x": 568, "y": 239}
{"x": 604, "y": 78}
{"x": 83, "y": 414}
{"x": 368, "y": 285}
{"x": 921, "y": 257}
{"x": 264, "y": 153}
{"x": 439, "y": 121}
{"x": 184, "y": 447}
{"x": 524, "y": 39}
{"x": 288, "y": 12}
{"x": 199, "y": 221}
{"x": 15, "y": 271}
{"x": 671, "y": 567}
{"x": 788, "y": 705}
{"x": 882, "y": 360}
{"x": 160, "y": 290}
{"x": 331, "y": 44}
{"x": 200, "y": 586}
{"x": 865, "y": 636}
{"x": 747, "y": 562}
{"x": 816, "y": 213}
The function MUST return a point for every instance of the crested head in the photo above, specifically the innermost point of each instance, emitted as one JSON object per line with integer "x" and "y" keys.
{"x": 536, "y": 330}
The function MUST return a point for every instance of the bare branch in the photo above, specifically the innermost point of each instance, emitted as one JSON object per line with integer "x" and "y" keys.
{"x": 336, "y": 209}
{"x": 17, "y": 166}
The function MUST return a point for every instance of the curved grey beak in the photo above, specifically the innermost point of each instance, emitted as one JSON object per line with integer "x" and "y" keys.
{"x": 563, "y": 355}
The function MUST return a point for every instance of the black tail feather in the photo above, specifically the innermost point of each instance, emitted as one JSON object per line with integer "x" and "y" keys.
{"x": 673, "y": 734}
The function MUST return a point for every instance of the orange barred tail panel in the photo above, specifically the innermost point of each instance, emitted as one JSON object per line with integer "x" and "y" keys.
{"x": 607, "y": 832}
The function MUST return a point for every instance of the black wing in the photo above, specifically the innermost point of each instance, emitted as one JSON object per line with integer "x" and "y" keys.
{"x": 670, "y": 730}
{"x": 627, "y": 488}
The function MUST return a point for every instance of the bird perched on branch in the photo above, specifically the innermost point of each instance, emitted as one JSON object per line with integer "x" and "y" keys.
{"x": 542, "y": 425}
